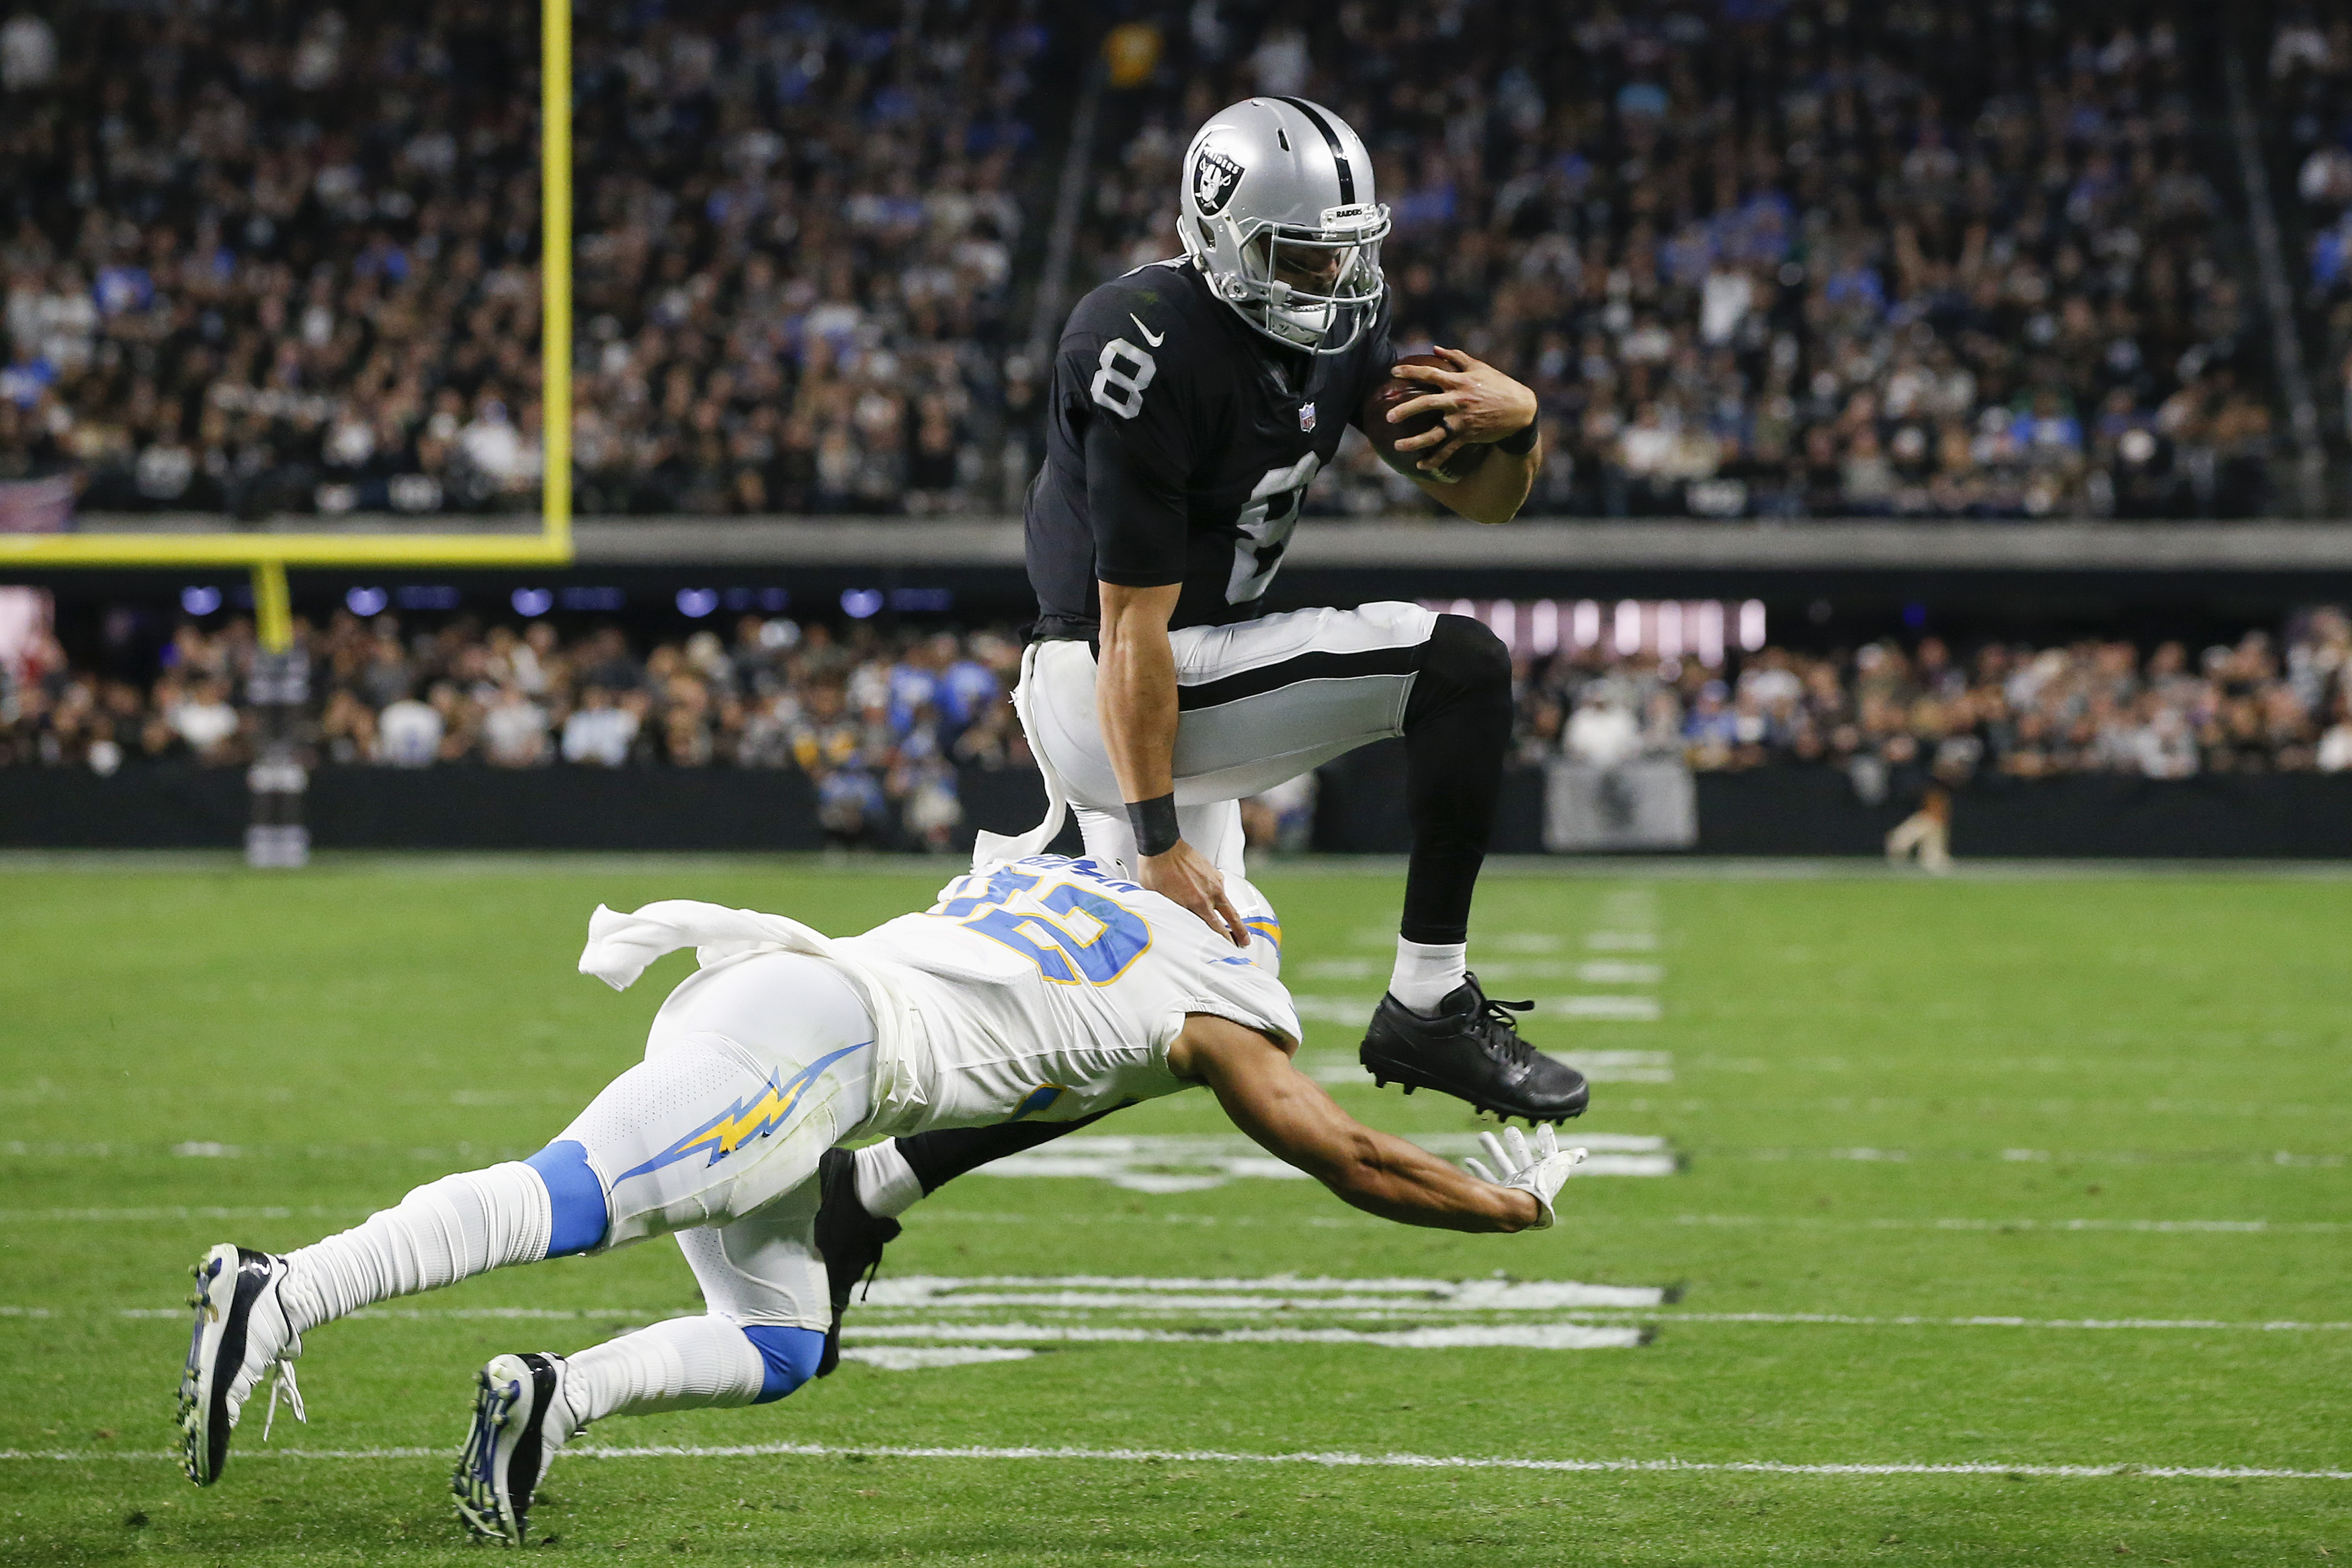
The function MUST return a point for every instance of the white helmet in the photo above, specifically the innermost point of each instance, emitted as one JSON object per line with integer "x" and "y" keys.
{"x": 1278, "y": 209}
{"x": 1258, "y": 918}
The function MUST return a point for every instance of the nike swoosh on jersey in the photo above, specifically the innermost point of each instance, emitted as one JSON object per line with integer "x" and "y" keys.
{"x": 1148, "y": 336}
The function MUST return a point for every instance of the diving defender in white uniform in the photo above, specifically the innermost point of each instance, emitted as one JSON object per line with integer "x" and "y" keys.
{"x": 1041, "y": 990}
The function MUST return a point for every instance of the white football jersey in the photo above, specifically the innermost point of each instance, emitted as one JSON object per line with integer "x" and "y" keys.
{"x": 1049, "y": 991}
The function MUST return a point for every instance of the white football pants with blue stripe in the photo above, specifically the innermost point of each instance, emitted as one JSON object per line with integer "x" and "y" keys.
{"x": 752, "y": 1069}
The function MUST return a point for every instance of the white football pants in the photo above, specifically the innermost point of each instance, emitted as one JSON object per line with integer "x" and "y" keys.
{"x": 753, "y": 1069}
{"x": 1258, "y": 702}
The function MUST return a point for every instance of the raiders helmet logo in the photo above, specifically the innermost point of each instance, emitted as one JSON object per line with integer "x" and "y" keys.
{"x": 1215, "y": 177}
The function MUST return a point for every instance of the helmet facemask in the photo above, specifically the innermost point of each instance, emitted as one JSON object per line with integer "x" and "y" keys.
{"x": 1315, "y": 288}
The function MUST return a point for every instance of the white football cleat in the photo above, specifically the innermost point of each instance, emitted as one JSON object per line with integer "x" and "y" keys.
{"x": 241, "y": 1333}
{"x": 521, "y": 1419}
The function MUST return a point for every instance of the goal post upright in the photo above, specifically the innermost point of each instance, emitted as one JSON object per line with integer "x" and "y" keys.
{"x": 555, "y": 270}
{"x": 550, "y": 546}
{"x": 278, "y": 689}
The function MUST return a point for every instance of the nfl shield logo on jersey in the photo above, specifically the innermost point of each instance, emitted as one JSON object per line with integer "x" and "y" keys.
{"x": 1307, "y": 416}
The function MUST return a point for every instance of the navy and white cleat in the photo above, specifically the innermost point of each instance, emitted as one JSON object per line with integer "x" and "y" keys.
{"x": 240, "y": 1335}
{"x": 521, "y": 1419}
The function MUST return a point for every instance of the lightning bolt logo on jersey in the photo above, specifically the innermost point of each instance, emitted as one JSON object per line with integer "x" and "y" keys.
{"x": 742, "y": 1122}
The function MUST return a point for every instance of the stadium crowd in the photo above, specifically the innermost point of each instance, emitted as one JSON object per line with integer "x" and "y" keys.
{"x": 1777, "y": 259}
{"x": 1757, "y": 257}
{"x": 882, "y": 722}
{"x": 267, "y": 258}
{"x": 1885, "y": 712}
{"x": 2311, "y": 81}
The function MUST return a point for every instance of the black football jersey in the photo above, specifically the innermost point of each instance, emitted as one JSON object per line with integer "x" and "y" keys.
{"x": 1180, "y": 443}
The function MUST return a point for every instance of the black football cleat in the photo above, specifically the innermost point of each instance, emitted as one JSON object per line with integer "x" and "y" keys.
{"x": 849, "y": 1238}
{"x": 1470, "y": 1048}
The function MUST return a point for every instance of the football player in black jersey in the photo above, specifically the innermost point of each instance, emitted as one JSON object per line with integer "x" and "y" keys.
{"x": 1193, "y": 400}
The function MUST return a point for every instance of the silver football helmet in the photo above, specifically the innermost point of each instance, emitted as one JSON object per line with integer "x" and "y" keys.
{"x": 1278, "y": 210}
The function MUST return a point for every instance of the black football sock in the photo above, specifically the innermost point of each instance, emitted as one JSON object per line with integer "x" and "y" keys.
{"x": 1457, "y": 733}
{"x": 939, "y": 1158}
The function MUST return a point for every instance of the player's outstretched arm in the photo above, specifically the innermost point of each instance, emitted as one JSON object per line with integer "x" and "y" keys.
{"x": 1481, "y": 406}
{"x": 1290, "y": 1115}
{"x": 1135, "y": 697}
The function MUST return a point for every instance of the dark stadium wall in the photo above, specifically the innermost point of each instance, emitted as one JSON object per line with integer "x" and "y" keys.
{"x": 1770, "y": 811}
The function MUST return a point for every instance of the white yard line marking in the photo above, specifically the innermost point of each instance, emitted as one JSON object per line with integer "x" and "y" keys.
{"x": 1600, "y": 1009}
{"x": 2141, "y": 1227}
{"x": 1520, "y": 941}
{"x": 1622, "y": 941}
{"x": 1356, "y": 1011}
{"x": 1906, "y": 1320}
{"x": 2282, "y": 1158}
{"x": 1351, "y": 1011}
{"x": 1536, "y": 1336}
{"x": 984, "y": 1217}
{"x": 1195, "y": 1162}
{"x": 1458, "y": 1336}
{"x": 917, "y": 1358}
{"x": 1324, "y": 1294}
{"x": 1319, "y": 1221}
{"x": 1587, "y": 1317}
{"x": 1613, "y": 972}
{"x": 131, "y": 1215}
{"x": 1336, "y": 1460}
{"x": 1599, "y": 1066}
{"x": 1597, "y": 972}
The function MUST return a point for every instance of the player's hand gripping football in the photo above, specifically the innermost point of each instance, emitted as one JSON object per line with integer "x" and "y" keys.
{"x": 1189, "y": 877}
{"x": 1478, "y": 404}
{"x": 1537, "y": 1169}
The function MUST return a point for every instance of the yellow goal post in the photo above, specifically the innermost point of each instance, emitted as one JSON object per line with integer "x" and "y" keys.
{"x": 270, "y": 554}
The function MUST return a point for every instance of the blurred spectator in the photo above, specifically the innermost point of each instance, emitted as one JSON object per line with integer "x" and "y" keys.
{"x": 514, "y": 731}
{"x": 598, "y": 733}
{"x": 1926, "y": 835}
{"x": 1282, "y": 819}
{"x": 1602, "y": 734}
{"x": 408, "y": 734}
{"x": 200, "y": 715}
{"x": 2335, "y": 754}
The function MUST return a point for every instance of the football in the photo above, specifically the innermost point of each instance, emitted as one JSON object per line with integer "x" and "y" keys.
{"x": 1392, "y": 389}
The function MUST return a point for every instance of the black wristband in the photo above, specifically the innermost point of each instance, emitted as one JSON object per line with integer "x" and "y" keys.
{"x": 1154, "y": 822}
{"x": 1521, "y": 441}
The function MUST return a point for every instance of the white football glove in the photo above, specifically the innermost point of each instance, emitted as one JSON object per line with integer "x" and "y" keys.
{"x": 1538, "y": 1170}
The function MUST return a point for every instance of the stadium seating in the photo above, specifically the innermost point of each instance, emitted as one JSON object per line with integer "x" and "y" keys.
{"x": 1758, "y": 259}
{"x": 1771, "y": 260}
{"x": 882, "y": 724}
{"x": 292, "y": 265}
{"x": 2311, "y": 95}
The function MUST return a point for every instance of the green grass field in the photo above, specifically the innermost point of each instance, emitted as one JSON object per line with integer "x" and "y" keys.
{"x": 2109, "y": 1114}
